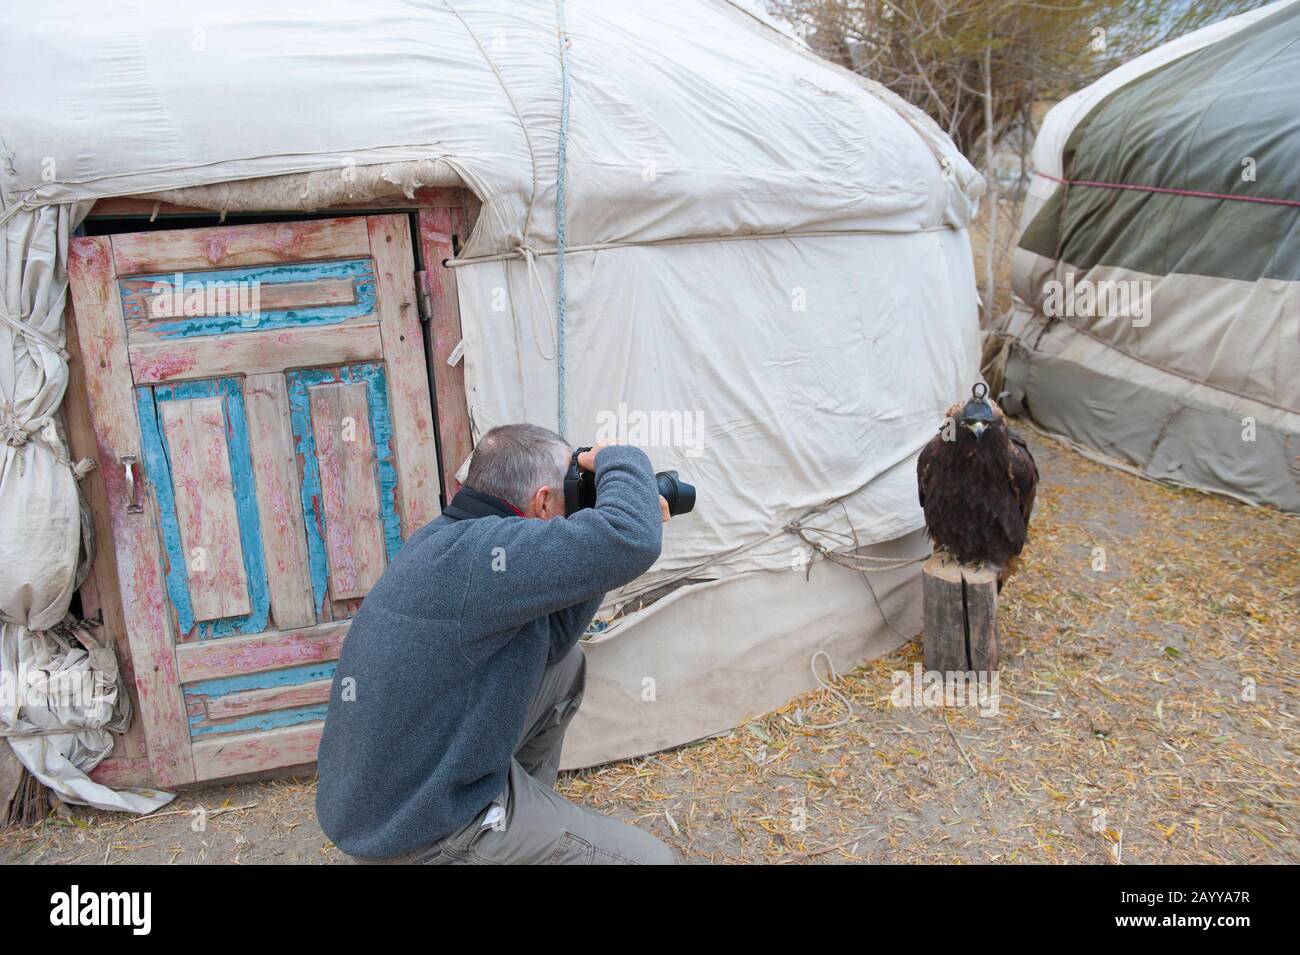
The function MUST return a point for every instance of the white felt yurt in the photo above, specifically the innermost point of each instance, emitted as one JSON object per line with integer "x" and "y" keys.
{"x": 707, "y": 240}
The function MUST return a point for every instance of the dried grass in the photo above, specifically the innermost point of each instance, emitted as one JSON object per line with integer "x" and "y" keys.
{"x": 1123, "y": 735}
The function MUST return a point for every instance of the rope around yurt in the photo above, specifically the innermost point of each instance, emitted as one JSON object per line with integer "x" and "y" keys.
{"x": 561, "y": 215}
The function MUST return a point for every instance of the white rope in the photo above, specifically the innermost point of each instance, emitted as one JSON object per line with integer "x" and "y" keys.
{"x": 627, "y": 596}
{"x": 530, "y": 260}
{"x": 17, "y": 432}
{"x": 693, "y": 240}
{"x": 848, "y": 557}
{"x": 561, "y": 237}
{"x": 16, "y": 323}
{"x": 501, "y": 81}
{"x": 825, "y": 685}
{"x": 21, "y": 206}
{"x": 49, "y": 341}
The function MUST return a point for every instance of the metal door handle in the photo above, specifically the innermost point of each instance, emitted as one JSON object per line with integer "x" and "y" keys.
{"x": 133, "y": 506}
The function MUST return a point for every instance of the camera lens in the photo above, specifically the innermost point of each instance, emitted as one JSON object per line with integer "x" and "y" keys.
{"x": 679, "y": 495}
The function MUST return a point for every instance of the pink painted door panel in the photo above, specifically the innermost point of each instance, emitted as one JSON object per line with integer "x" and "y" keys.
{"x": 345, "y": 455}
{"x": 205, "y": 507}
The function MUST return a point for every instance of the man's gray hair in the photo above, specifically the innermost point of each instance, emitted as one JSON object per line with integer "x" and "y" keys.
{"x": 511, "y": 462}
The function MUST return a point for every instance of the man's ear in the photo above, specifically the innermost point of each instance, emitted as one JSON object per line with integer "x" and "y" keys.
{"x": 545, "y": 504}
{"x": 533, "y": 506}
{"x": 552, "y": 503}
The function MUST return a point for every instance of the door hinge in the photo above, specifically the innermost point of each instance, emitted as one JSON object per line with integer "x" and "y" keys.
{"x": 424, "y": 302}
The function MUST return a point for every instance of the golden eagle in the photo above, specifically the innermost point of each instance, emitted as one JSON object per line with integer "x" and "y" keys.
{"x": 977, "y": 480}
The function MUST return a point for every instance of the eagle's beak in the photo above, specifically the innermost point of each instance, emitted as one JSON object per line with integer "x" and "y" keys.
{"x": 978, "y": 427}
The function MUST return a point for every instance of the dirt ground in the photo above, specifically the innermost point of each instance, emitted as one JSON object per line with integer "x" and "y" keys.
{"x": 1147, "y": 714}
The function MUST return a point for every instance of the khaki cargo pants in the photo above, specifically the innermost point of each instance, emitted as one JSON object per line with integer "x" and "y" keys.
{"x": 537, "y": 826}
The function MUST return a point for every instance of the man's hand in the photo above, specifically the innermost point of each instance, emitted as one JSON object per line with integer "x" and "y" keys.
{"x": 587, "y": 459}
{"x": 587, "y": 462}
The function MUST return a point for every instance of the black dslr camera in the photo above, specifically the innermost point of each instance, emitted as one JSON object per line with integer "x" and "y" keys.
{"x": 580, "y": 489}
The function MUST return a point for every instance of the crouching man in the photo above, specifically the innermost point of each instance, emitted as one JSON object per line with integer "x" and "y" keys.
{"x": 462, "y": 670}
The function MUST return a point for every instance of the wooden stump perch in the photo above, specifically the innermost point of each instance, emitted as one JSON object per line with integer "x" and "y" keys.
{"x": 961, "y": 612}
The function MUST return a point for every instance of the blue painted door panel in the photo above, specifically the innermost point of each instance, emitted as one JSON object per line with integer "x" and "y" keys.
{"x": 282, "y": 697}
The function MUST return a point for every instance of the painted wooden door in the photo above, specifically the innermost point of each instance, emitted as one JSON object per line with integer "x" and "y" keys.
{"x": 264, "y": 431}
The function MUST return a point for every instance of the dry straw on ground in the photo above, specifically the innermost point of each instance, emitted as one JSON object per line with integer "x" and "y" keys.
{"x": 1126, "y": 732}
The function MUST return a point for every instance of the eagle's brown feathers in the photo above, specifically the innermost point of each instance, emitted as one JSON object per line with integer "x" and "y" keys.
{"x": 977, "y": 482}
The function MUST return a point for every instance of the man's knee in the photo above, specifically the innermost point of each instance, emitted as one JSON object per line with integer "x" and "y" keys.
{"x": 659, "y": 854}
{"x": 633, "y": 844}
{"x": 610, "y": 842}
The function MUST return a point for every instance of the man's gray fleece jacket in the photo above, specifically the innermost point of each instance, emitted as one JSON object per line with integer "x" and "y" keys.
{"x": 448, "y": 648}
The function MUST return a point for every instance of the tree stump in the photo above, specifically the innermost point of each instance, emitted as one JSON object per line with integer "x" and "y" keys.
{"x": 961, "y": 617}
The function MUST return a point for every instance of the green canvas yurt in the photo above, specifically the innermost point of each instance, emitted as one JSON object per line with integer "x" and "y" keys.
{"x": 1157, "y": 276}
